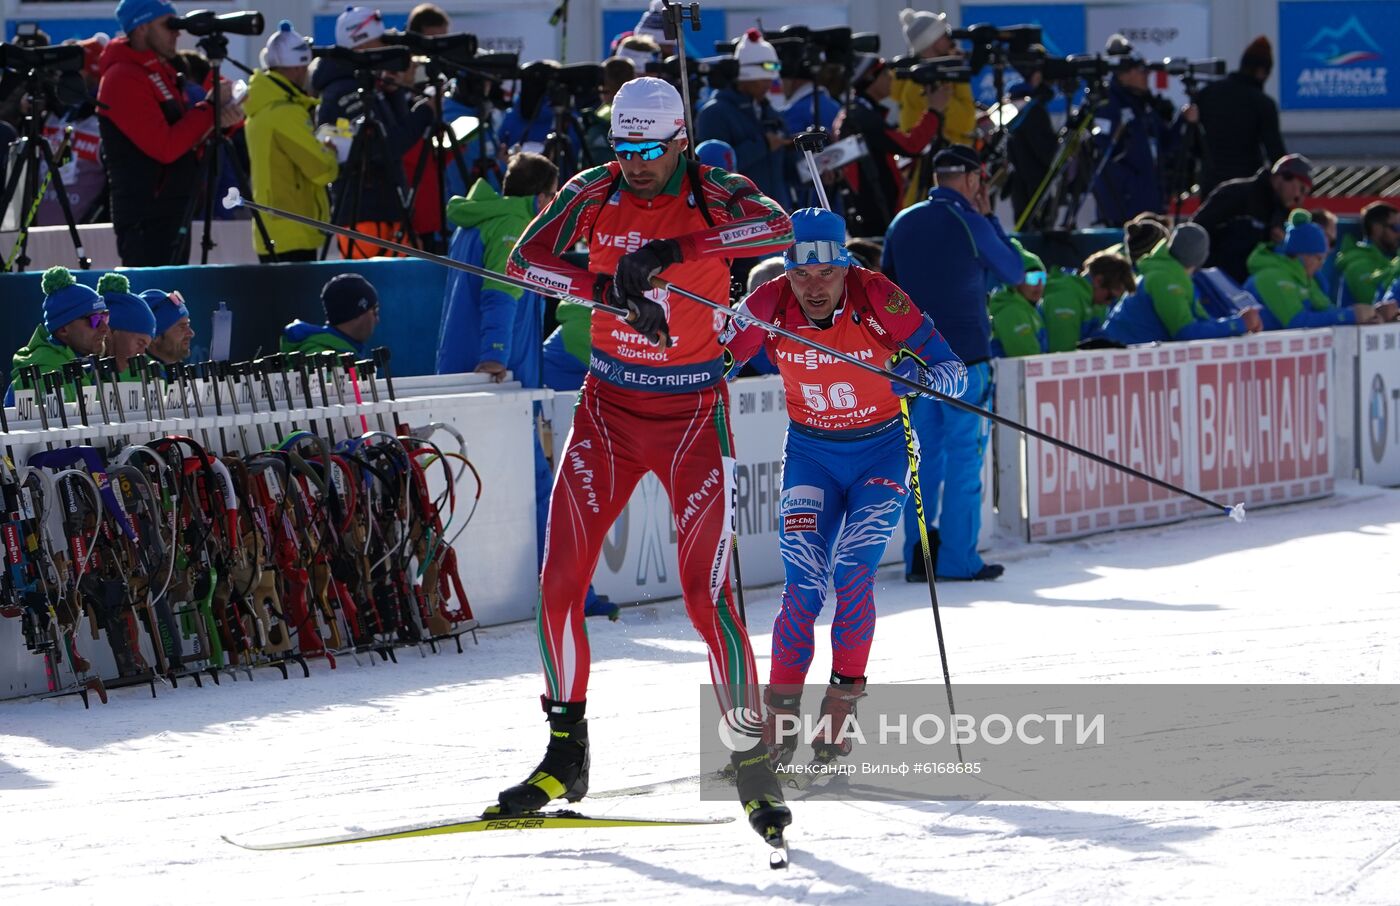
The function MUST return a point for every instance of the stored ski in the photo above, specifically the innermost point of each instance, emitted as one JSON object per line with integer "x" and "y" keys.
{"x": 561, "y": 819}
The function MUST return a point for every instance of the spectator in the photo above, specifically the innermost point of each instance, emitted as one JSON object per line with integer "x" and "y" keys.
{"x": 429, "y": 20}
{"x": 1140, "y": 236}
{"x": 1165, "y": 305}
{"x": 1285, "y": 282}
{"x": 799, "y": 95}
{"x": 1368, "y": 265}
{"x": 565, "y": 360}
{"x": 1017, "y": 327}
{"x": 641, "y": 51}
{"x": 1075, "y": 305}
{"x": 84, "y": 178}
{"x": 490, "y": 327}
{"x": 875, "y": 180}
{"x": 174, "y": 332}
{"x": 131, "y": 322}
{"x": 1241, "y": 213}
{"x": 743, "y": 117}
{"x": 75, "y": 324}
{"x": 291, "y": 168}
{"x": 1134, "y": 129}
{"x": 151, "y": 137}
{"x": 374, "y": 205}
{"x": 1031, "y": 142}
{"x": 652, "y": 25}
{"x": 352, "y": 312}
{"x": 867, "y": 251}
{"x": 597, "y": 123}
{"x": 946, "y": 251}
{"x": 1240, "y": 121}
{"x": 928, "y": 36}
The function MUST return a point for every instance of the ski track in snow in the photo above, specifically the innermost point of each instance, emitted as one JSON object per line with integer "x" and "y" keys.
{"x": 126, "y": 803}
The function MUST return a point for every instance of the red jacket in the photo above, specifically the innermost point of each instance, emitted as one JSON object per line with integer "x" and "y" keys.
{"x": 150, "y": 133}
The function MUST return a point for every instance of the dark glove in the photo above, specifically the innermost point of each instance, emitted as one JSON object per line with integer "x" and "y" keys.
{"x": 647, "y": 316}
{"x": 908, "y": 366}
{"x": 635, "y": 269}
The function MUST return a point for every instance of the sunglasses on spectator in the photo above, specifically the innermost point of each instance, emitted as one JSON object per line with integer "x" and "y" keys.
{"x": 1036, "y": 278}
{"x": 97, "y": 319}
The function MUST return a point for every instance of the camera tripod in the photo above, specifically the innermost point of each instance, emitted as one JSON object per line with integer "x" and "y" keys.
{"x": 1192, "y": 156}
{"x": 1070, "y": 186}
{"x": 369, "y": 138}
{"x": 215, "y": 47}
{"x": 559, "y": 143}
{"x": 438, "y": 144}
{"x": 35, "y": 152}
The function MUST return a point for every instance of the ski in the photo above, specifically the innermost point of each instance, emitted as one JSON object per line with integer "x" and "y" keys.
{"x": 561, "y": 819}
{"x": 674, "y": 785}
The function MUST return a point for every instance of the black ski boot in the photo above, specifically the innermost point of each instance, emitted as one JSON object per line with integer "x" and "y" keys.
{"x": 838, "y": 705}
{"x": 563, "y": 774}
{"x": 779, "y": 702}
{"x": 760, "y": 793}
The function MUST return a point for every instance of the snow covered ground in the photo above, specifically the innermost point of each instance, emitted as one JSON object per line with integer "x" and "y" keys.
{"x": 126, "y": 803}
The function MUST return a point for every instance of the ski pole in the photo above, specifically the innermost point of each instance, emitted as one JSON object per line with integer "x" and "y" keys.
{"x": 298, "y": 361}
{"x": 347, "y": 361}
{"x": 916, "y": 489}
{"x": 381, "y": 361}
{"x": 234, "y": 199}
{"x": 367, "y": 371}
{"x": 211, "y": 377}
{"x": 1235, "y": 512}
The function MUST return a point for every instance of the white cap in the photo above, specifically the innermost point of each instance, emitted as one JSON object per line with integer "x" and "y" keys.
{"x": 752, "y": 52}
{"x": 647, "y": 109}
{"x": 358, "y": 25}
{"x": 922, "y": 28}
{"x": 651, "y": 24}
{"x": 286, "y": 48}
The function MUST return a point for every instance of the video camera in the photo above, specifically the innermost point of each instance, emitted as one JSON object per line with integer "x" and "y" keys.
{"x": 1213, "y": 68}
{"x": 58, "y": 58}
{"x": 935, "y": 71}
{"x": 457, "y": 48}
{"x": 376, "y": 59}
{"x": 802, "y": 51}
{"x": 564, "y": 86}
{"x": 718, "y": 72}
{"x": 203, "y": 22}
{"x": 996, "y": 45}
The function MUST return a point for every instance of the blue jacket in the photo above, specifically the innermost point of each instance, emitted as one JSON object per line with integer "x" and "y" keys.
{"x": 486, "y": 320}
{"x": 948, "y": 257}
{"x": 1131, "y": 180}
{"x": 731, "y": 117}
{"x": 797, "y": 115}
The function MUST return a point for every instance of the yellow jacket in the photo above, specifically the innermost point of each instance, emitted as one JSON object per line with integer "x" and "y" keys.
{"x": 959, "y": 121}
{"x": 290, "y": 168}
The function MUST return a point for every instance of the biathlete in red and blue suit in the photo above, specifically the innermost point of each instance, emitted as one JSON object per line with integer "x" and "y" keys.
{"x": 845, "y": 462}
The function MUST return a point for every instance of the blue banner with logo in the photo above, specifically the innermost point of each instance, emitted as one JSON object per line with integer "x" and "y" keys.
{"x": 1061, "y": 27}
{"x": 1339, "y": 54}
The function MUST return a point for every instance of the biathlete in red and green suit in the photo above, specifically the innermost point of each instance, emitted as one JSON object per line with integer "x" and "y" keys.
{"x": 654, "y": 401}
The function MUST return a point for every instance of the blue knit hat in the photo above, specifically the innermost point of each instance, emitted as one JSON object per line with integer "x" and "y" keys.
{"x": 133, "y": 13}
{"x": 716, "y": 153}
{"x": 129, "y": 313}
{"x": 1305, "y": 239}
{"x": 66, "y": 300}
{"x": 819, "y": 237}
{"x": 168, "y": 308}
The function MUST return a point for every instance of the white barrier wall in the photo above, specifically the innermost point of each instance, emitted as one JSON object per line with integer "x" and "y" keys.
{"x": 1377, "y": 406}
{"x": 1244, "y": 420}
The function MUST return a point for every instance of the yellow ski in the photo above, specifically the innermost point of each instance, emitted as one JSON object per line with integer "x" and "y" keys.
{"x": 561, "y": 819}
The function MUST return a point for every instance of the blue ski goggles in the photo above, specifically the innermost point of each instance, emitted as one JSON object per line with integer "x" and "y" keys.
{"x": 816, "y": 251}
{"x": 1036, "y": 278}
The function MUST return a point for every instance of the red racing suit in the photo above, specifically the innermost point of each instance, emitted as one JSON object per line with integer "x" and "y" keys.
{"x": 643, "y": 409}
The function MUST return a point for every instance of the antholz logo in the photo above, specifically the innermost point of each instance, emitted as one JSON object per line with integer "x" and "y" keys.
{"x": 515, "y": 824}
{"x": 1344, "y": 58}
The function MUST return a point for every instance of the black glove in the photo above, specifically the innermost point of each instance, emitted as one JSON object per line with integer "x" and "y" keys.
{"x": 648, "y": 317}
{"x": 635, "y": 269}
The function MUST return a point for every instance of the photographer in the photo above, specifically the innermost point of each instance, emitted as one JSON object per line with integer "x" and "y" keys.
{"x": 929, "y": 36}
{"x": 876, "y": 181}
{"x": 291, "y": 168}
{"x": 376, "y": 205}
{"x": 151, "y": 136}
{"x": 798, "y": 88}
{"x": 83, "y": 176}
{"x": 1030, "y": 141}
{"x": 1134, "y": 129}
{"x": 742, "y": 116}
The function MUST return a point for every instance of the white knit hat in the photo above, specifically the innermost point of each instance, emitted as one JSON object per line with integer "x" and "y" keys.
{"x": 922, "y": 28}
{"x": 651, "y": 25}
{"x": 757, "y": 58}
{"x": 286, "y": 48}
{"x": 358, "y": 25}
{"x": 647, "y": 109}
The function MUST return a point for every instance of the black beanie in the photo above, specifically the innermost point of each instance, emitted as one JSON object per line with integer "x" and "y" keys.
{"x": 346, "y": 297}
{"x": 1258, "y": 55}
